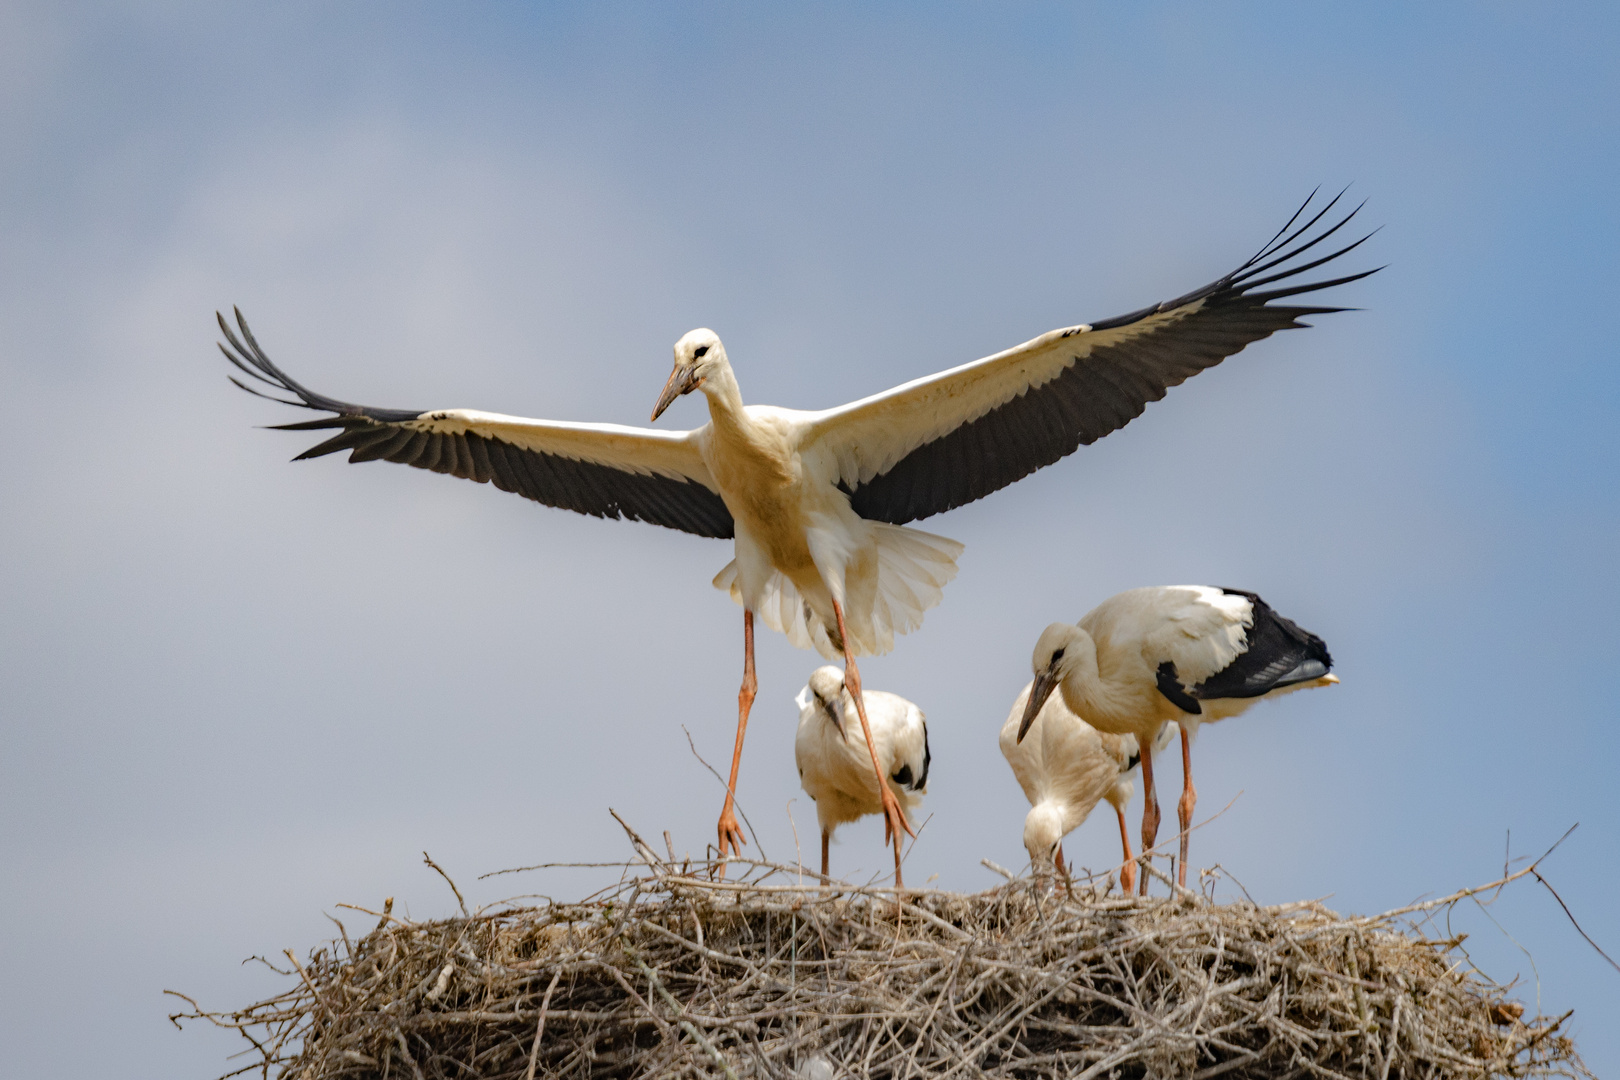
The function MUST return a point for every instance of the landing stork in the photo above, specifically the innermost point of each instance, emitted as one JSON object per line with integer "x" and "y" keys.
{"x": 817, "y": 502}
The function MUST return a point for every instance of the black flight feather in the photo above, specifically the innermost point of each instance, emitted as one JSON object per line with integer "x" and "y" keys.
{"x": 582, "y": 486}
{"x": 1109, "y": 387}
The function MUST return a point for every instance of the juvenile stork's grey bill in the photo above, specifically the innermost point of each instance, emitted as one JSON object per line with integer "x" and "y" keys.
{"x": 680, "y": 382}
{"x": 834, "y": 710}
{"x": 1045, "y": 683}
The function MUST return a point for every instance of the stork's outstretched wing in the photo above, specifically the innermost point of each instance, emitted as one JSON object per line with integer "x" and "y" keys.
{"x": 600, "y": 469}
{"x": 938, "y": 442}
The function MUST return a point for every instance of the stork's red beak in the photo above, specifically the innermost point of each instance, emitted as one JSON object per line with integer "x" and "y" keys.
{"x": 680, "y": 382}
{"x": 1045, "y": 683}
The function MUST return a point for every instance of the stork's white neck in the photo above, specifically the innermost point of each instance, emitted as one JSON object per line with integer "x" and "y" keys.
{"x": 1083, "y": 688}
{"x": 725, "y": 397}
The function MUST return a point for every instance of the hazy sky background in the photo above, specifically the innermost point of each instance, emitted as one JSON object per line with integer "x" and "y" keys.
{"x": 237, "y": 692}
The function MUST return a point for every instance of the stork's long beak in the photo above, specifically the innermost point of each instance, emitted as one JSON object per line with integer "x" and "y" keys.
{"x": 1045, "y": 683}
{"x": 680, "y": 382}
{"x": 834, "y": 710}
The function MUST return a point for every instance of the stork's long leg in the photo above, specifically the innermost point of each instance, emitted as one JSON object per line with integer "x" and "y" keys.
{"x": 893, "y": 820}
{"x": 1184, "y": 808}
{"x": 731, "y": 834}
{"x": 1127, "y": 869}
{"x": 1150, "y": 812}
{"x": 826, "y": 879}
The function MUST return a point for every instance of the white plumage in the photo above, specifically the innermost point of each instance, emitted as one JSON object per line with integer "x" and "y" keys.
{"x": 1183, "y": 654}
{"x": 1065, "y": 767}
{"x": 817, "y": 502}
{"x": 835, "y": 762}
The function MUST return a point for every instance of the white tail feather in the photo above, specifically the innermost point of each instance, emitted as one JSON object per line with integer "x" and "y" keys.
{"x": 913, "y": 568}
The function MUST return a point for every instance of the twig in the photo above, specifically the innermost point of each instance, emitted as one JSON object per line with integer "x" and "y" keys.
{"x": 463, "y": 904}
{"x": 540, "y": 1028}
{"x": 1572, "y": 921}
{"x": 998, "y": 869}
{"x": 643, "y": 848}
{"x": 1463, "y": 894}
{"x": 734, "y": 800}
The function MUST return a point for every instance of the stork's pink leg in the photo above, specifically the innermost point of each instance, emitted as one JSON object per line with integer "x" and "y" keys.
{"x": 826, "y": 878}
{"x": 1184, "y": 808}
{"x": 1150, "y": 812}
{"x": 893, "y": 820}
{"x": 1127, "y": 869}
{"x": 731, "y": 834}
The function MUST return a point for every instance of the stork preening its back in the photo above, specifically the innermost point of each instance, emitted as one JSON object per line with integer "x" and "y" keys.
{"x": 1181, "y": 654}
{"x": 832, "y": 756}
{"x": 1065, "y": 767}
{"x": 816, "y": 502}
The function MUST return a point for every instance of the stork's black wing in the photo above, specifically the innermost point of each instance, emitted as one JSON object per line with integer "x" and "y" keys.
{"x": 605, "y": 470}
{"x": 1278, "y": 653}
{"x": 945, "y": 440}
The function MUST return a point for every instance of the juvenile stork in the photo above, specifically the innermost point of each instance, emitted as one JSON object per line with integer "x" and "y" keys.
{"x": 832, "y": 756}
{"x": 1182, "y": 654}
{"x": 816, "y": 501}
{"x": 1065, "y": 767}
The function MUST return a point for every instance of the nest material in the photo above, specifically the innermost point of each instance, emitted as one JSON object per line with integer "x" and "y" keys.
{"x": 670, "y": 975}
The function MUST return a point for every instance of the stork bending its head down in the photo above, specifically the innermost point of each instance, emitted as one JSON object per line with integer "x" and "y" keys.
{"x": 1182, "y": 654}
{"x": 1065, "y": 767}
{"x": 817, "y": 502}
{"x": 832, "y": 756}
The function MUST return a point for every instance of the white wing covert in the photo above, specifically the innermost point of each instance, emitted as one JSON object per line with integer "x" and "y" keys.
{"x": 945, "y": 440}
{"x": 605, "y": 470}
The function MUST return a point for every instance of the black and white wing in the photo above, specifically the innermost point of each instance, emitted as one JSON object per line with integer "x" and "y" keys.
{"x": 605, "y": 470}
{"x": 945, "y": 440}
{"x": 911, "y": 754}
{"x": 1280, "y": 653}
{"x": 1225, "y": 644}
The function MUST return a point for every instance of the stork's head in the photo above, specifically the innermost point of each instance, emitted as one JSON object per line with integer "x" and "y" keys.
{"x": 1043, "y": 832}
{"x": 825, "y": 693}
{"x": 698, "y": 355}
{"x": 1057, "y": 653}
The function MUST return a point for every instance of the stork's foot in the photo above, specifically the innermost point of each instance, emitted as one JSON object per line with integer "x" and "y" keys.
{"x": 731, "y": 838}
{"x": 894, "y": 819}
{"x": 1127, "y": 878}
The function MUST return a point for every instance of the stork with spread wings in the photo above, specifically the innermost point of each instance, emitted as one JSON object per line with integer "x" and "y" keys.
{"x": 817, "y": 503}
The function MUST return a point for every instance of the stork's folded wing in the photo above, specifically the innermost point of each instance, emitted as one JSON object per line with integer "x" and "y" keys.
{"x": 938, "y": 442}
{"x": 605, "y": 470}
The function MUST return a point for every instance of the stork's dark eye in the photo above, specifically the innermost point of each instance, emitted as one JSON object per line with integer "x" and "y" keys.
{"x": 699, "y": 351}
{"x": 1057, "y": 656}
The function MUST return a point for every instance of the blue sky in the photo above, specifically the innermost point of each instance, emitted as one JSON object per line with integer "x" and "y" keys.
{"x": 240, "y": 691}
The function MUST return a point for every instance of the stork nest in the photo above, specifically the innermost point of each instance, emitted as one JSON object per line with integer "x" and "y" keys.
{"x": 772, "y": 975}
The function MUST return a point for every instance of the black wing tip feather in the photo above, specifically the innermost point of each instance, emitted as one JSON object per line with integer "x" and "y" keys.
{"x": 1120, "y": 377}
{"x": 246, "y": 354}
{"x": 1235, "y": 287}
